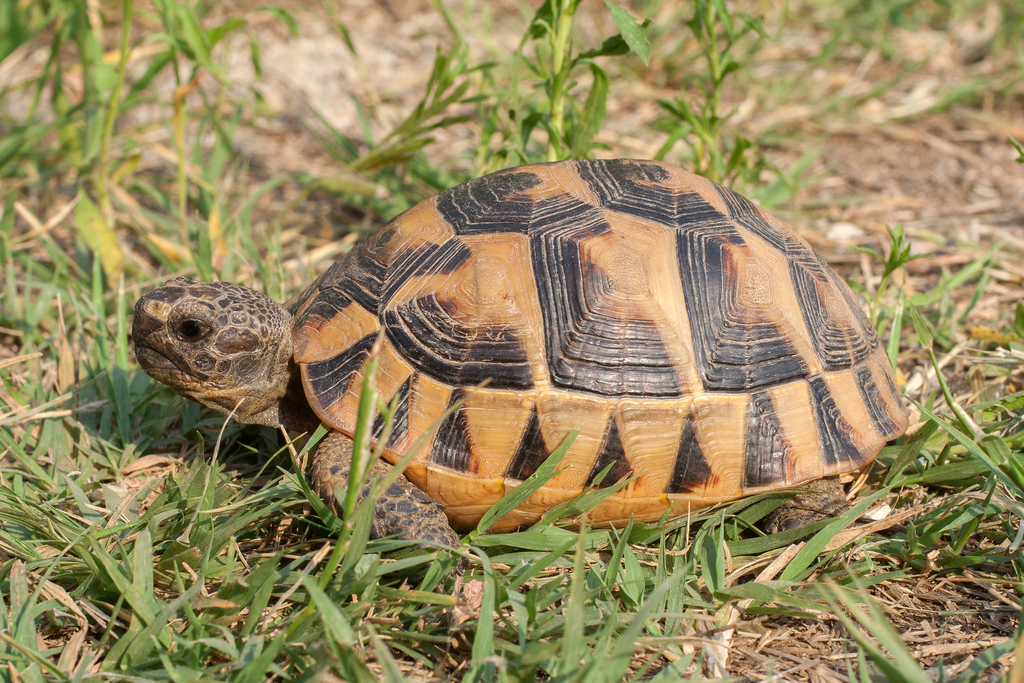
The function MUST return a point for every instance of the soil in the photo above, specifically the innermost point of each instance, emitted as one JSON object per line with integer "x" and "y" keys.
{"x": 890, "y": 149}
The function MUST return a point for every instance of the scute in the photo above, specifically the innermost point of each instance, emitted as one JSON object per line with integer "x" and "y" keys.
{"x": 700, "y": 347}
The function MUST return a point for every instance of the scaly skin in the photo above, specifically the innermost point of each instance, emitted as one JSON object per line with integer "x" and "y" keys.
{"x": 807, "y": 508}
{"x": 402, "y": 510}
{"x": 230, "y": 348}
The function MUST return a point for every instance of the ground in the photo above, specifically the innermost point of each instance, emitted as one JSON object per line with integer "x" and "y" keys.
{"x": 909, "y": 131}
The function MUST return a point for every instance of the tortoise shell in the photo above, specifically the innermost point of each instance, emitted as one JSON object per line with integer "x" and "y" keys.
{"x": 698, "y": 343}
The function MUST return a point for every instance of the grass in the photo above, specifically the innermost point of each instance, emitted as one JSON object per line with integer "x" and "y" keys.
{"x": 142, "y": 536}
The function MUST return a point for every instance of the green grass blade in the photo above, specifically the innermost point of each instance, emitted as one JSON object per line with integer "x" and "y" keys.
{"x": 482, "y": 668}
{"x": 517, "y": 496}
{"x": 335, "y": 623}
{"x": 573, "y": 643}
{"x": 797, "y": 567}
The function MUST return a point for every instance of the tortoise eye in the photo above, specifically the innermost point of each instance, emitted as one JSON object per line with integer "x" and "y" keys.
{"x": 191, "y": 330}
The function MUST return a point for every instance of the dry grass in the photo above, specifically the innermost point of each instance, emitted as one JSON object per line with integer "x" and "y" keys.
{"x": 894, "y": 124}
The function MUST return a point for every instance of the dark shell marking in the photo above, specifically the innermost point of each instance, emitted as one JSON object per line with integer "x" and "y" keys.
{"x": 530, "y": 454}
{"x": 429, "y": 330}
{"x": 452, "y": 447}
{"x": 331, "y": 379}
{"x": 690, "y": 470}
{"x": 738, "y": 345}
{"x": 488, "y": 205}
{"x": 608, "y": 296}
{"x": 593, "y": 344}
{"x": 400, "y": 417}
{"x": 611, "y": 465}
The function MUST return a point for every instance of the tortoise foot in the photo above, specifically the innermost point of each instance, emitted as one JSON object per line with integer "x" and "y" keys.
{"x": 828, "y": 500}
{"x": 402, "y": 511}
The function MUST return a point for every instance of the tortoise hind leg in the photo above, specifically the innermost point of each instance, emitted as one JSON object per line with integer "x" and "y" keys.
{"x": 402, "y": 510}
{"x": 828, "y": 500}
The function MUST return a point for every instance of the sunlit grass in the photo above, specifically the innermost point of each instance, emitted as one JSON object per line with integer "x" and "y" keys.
{"x": 142, "y": 536}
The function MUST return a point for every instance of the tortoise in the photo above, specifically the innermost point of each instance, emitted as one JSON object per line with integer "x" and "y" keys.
{"x": 701, "y": 347}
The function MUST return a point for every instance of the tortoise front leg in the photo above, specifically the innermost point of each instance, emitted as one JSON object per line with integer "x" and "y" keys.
{"x": 402, "y": 510}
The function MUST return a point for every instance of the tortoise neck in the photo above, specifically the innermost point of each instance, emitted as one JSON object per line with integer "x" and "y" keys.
{"x": 294, "y": 412}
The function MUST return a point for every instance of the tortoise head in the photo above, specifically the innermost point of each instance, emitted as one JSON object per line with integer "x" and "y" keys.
{"x": 225, "y": 346}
